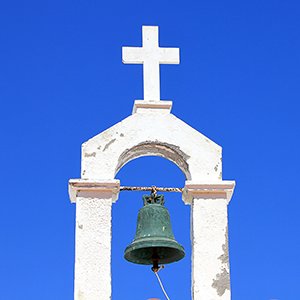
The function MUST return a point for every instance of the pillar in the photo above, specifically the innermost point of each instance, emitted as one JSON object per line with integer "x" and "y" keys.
{"x": 209, "y": 237}
{"x": 93, "y": 237}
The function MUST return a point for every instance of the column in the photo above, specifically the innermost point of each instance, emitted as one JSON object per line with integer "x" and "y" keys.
{"x": 93, "y": 237}
{"x": 209, "y": 238}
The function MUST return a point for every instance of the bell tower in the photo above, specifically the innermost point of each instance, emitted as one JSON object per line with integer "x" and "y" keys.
{"x": 151, "y": 130}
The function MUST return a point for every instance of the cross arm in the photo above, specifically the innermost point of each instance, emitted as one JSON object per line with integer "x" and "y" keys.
{"x": 132, "y": 55}
{"x": 169, "y": 56}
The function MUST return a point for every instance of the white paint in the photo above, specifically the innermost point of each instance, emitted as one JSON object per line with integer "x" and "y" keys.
{"x": 218, "y": 189}
{"x": 151, "y": 130}
{"x": 93, "y": 237}
{"x": 209, "y": 235}
{"x": 157, "y": 133}
{"x": 110, "y": 186}
{"x": 151, "y": 56}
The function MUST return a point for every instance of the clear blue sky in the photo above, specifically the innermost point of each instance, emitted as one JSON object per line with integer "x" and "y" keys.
{"x": 238, "y": 83}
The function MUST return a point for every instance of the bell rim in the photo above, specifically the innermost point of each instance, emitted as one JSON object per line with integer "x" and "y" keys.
{"x": 173, "y": 245}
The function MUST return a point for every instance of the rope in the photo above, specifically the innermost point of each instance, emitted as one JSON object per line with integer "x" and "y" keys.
{"x": 147, "y": 188}
{"x": 161, "y": 285}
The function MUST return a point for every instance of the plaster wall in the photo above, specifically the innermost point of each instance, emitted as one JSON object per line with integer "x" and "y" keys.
{"x": 152, "y": 133}
{"x": 93, "y": 246}
{"x": 210, "y": 259}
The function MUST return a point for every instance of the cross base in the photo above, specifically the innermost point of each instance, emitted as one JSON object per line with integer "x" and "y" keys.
{"x": 141, "y": 106}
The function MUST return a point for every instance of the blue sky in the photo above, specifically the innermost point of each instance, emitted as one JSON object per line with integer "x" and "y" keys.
{"x": 61, "y": 74}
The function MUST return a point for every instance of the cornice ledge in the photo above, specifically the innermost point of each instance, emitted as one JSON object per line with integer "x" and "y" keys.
{"x": 209, "y": 190}
{"x": 102, "y": 186}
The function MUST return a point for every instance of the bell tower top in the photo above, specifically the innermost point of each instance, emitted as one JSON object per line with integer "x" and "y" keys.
{"x": 152, "y": 131}
{"x": 151, "y": 56}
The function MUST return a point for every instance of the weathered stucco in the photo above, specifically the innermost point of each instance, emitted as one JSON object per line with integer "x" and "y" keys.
{"x": 209, "y": 237}
{"x": 93, "y": 237}
{"x": 152, "y": 131}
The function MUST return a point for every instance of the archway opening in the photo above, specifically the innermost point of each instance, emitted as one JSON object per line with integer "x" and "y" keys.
{"x": 132, "y": 281}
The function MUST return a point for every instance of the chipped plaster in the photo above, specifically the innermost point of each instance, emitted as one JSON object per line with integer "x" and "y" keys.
{"x": 151, "y": 132}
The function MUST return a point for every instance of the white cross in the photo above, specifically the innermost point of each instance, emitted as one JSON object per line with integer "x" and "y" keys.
{"x": 151, "y": 56}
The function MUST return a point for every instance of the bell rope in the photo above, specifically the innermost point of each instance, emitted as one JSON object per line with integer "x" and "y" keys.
{"x": 152, "y": 188}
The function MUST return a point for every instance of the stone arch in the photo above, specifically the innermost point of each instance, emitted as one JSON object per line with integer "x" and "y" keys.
{"x": 149, "y": 148}
{"x": 151, "y": 134}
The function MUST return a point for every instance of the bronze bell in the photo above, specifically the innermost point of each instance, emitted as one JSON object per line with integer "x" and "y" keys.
{"x": 154, "y": 241}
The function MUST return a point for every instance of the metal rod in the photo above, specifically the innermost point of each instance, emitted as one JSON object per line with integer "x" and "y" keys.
{"x": 147, "y": 188}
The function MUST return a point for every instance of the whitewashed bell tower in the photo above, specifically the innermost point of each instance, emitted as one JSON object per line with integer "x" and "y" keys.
{"x": 151, "y": 130}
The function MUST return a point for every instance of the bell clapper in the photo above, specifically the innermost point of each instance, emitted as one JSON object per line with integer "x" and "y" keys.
{"x": 155, "y": 268}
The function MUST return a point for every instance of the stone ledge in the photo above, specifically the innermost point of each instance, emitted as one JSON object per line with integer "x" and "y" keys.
{"x": 102, "y": 186}
{"x": 212, "y": 190}
{"x": 141, "y": 106}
